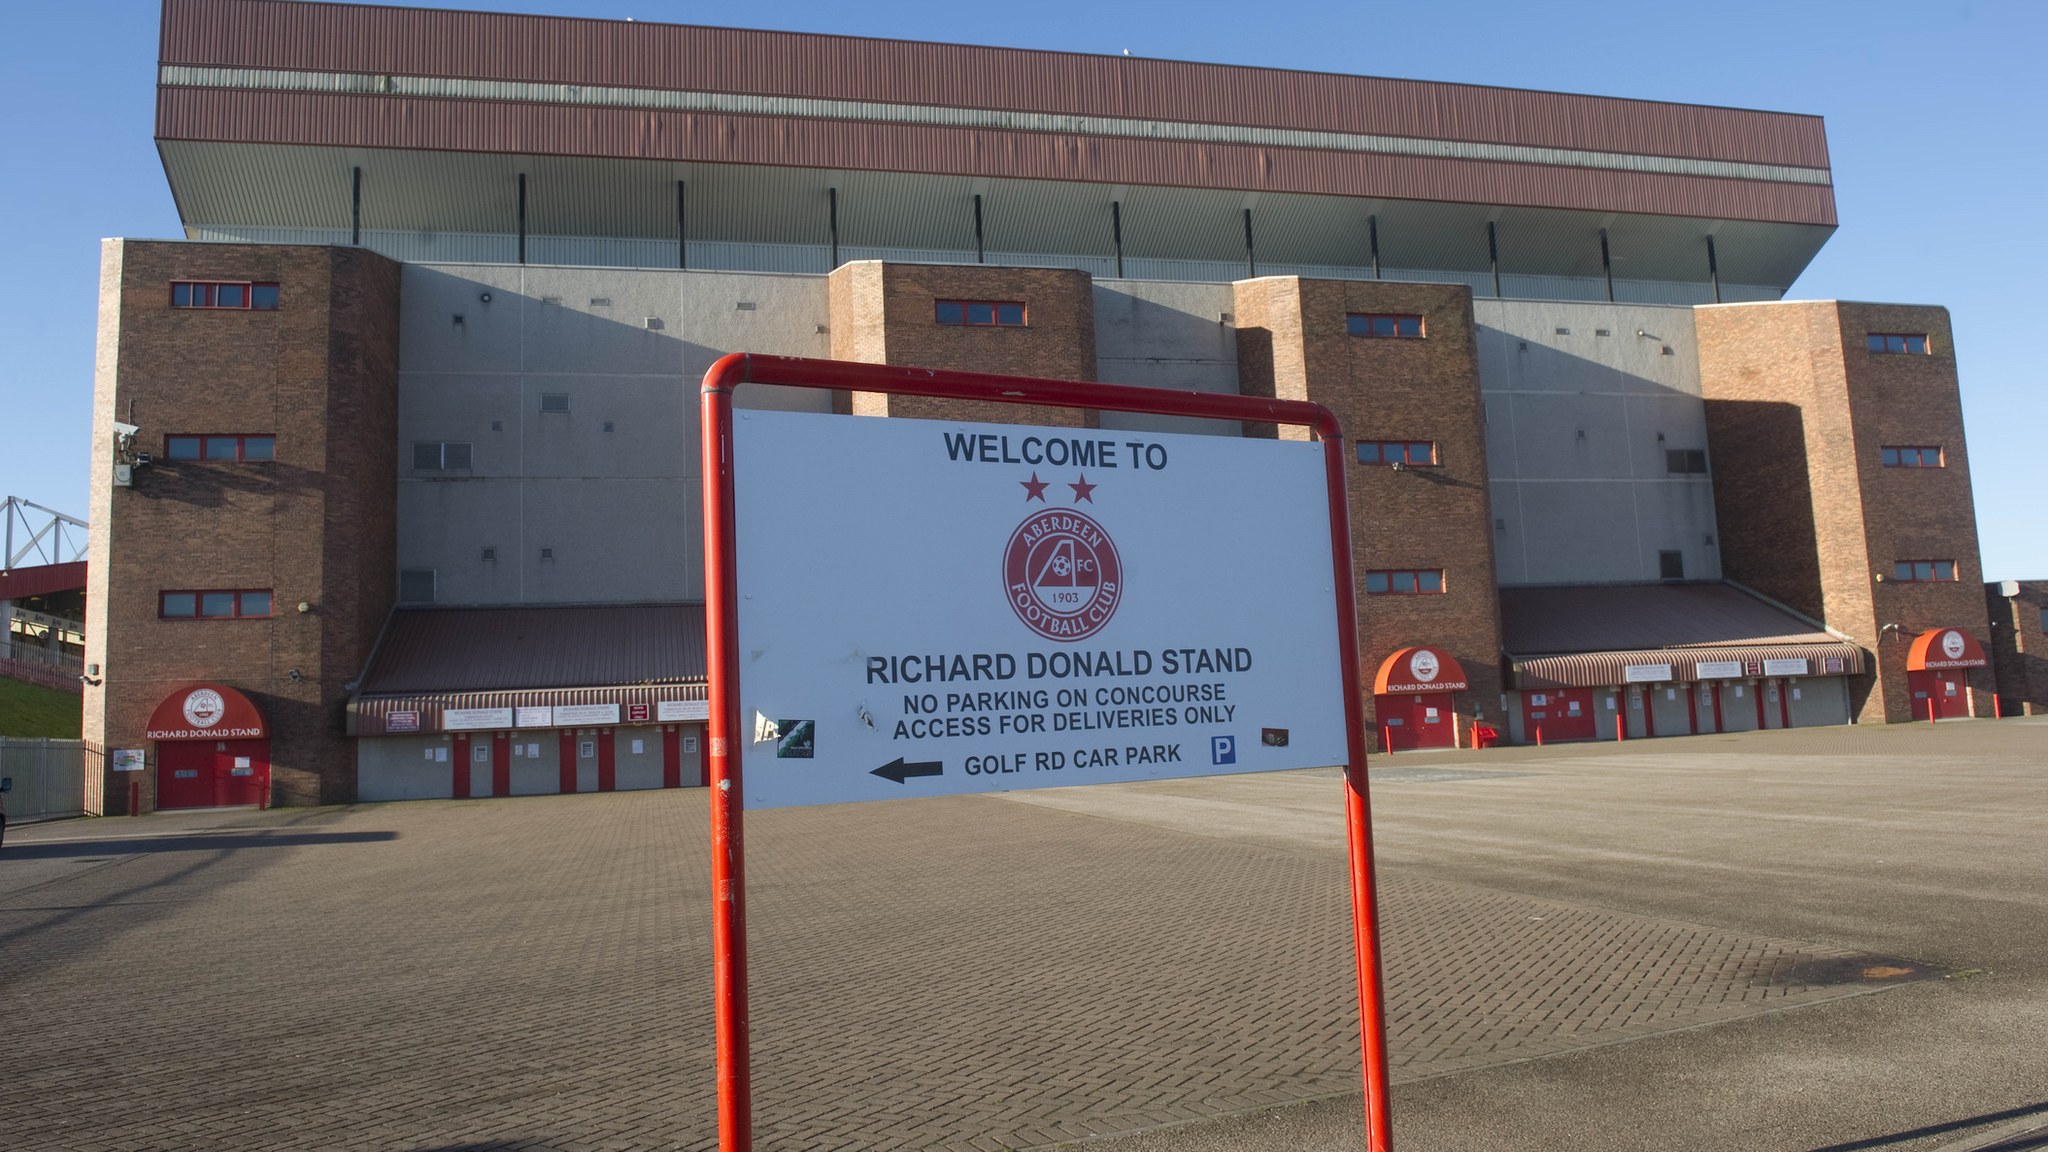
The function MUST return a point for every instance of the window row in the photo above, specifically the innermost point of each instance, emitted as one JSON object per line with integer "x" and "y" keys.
{"x": 220, "y": 447}
{"x": 1911, "y": 457}
{"x": 980, "y": 313}
{"x": 1374, "y": 324}
{"x": 1407, "y": 582}
{"x": 1924, "y": 571}
{"x": 1685, "y": 461}
{"x": 442, "y": 456}
{"x": 223, "y": 294}
{"x": 1384, "y": 452}
{"x": 213, "y": 605}
{"x": 1898, "y": 343}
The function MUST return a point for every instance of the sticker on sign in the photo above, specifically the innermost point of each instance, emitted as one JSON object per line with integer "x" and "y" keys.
{"x": 949, "y": 608}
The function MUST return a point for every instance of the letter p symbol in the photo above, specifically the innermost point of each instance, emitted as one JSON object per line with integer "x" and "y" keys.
{"x": 1223, "y": 749}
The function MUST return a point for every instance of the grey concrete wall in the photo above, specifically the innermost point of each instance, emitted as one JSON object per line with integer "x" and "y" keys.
{"x": 1166, "y": 334}
{"x": 619, "y": 505}
{"x": 406, "y": 768}
{"x": 1577, "y": 425}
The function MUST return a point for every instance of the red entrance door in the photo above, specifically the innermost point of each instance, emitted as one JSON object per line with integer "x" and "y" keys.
{"x": 1415, "y": 720}
{"x": 1562, "y": 713}
{"x": 212, "y": 773}
{"x": 1937, "y": 694}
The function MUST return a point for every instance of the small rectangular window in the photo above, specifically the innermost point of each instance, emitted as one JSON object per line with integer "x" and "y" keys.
{"x": 222, "y": 605}
{"x": 223, "y": 448}
{"x": 1685, "y": 461}
{"x": 441, "y": 455}
{"x": 259, "y": 448}
{"x": 220, "y": 447}
{"x": 979, "y": 313}
{"x": 1899, "y": 343}
{"x": 1671, "y": 565}
{"x": 1924, "y": 571}
{"x": 1385, "y": 452}
{"x": 181, "y": 447}
{"x": 1404, "y": 582}
{"x": 1910, "y": 457}
{"x": 554, "y": 401}
{"x": 263, "y": 297}
{"x": 223, "y": 294}
{"x": 416, "y": 586}
{"x": 1383, "y": 326}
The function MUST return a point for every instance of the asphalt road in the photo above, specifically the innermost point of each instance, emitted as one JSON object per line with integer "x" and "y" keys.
{"x": 1665, "y": 944}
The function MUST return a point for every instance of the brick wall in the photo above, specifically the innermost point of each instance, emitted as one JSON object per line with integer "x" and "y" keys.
{"x": 2019, "y": 645}
{"x": 1293, "y": 344}
{"x": 883, "y": 314}
{"x": 1797, "y": 411}
{"x": 316, "y": 526}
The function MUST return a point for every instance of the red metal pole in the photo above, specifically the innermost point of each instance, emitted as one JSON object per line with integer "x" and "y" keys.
{"x": 1539, "y": 735}
{"x": 1784, "y": 703}
{"x": 1365, "y": 924}
{"x": 728, "y": 852}
{"x": 1620, "y": 725}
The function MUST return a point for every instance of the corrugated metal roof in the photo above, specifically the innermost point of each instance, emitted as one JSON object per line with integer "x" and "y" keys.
{"x": 1641, "y": 617}
{"x": 467, "y": 650}
{"x": 476, "y": 45}
{"x": 1604, "y": 669}
{"x": 366, "y": 715}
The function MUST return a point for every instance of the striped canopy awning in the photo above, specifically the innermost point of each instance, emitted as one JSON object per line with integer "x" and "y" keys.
{"x": 1659, "y": 665}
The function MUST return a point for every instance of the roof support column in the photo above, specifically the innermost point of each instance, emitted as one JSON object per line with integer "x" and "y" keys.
{"x": 1372, "y": 232}
{"x": 355, "y": 212}
{"x": 1251, "y": 267}
{"x": 1116, "y": 232}
{"x": 522, "y": 217}
{"x": 978, "y": 254}
{"x": 1713, "y": 269}
{"x": 682, "y": 226}
{"x": 1493, "y": 254}
{"x": 1606, "y": 266}
{"x": 832, "y": 212}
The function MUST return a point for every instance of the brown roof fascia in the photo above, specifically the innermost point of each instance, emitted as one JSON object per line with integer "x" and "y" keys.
{"x": 287, "y": 34}
{"x": 373, "y": 121}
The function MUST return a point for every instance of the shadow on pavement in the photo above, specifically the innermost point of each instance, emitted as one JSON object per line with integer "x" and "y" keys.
{"x": 202, "y": 843}
{"x": 2040, "y": 1109}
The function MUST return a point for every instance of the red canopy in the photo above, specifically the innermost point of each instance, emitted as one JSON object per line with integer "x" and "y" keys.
{"x": 205, "y": 712}
{"x": 1944, "y": 648}
{"x": 1419, "y": 669}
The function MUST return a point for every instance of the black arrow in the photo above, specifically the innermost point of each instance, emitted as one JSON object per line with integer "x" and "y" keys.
{"x": 898, "y": 771}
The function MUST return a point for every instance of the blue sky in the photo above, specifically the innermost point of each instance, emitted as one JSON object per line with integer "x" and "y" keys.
{"x": 1935, "y": 115}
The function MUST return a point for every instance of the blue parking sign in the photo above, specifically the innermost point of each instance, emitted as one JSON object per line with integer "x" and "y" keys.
{"x": 1223, "y": 749}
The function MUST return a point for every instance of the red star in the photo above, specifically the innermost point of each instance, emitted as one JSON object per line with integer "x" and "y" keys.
{"x": 1034, "y": 489}
{"x": 1083, "y": 489}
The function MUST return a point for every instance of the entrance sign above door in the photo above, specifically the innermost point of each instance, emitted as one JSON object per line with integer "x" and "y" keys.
{"x": 1945, "y": 648}
{"x": 1420, "y": 669}
{"x": 931, "y": 608}
{"x": 205, "y": 712}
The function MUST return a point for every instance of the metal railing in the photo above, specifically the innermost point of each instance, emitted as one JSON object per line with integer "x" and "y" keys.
{"x": 49, "y": 776}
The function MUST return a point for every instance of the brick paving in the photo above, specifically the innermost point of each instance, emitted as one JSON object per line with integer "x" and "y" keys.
{"x": 962, "y": 973}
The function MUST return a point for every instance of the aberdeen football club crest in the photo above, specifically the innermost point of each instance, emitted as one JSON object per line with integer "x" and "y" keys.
{"x": 204, "y": 708}
{"x": 1062, "y": 575}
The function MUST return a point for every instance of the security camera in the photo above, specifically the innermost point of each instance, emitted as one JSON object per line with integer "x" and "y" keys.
{"x": 121, "y": 429}
{"x": 486, "y": 297}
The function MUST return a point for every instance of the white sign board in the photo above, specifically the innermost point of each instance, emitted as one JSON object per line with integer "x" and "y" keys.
{"x": 571, "y": 715}
{"x": 1646, "y": 673}
{"x": 535, "y": 716}
{"x": 472, "y": 719}
{"x": 1785, "y": 667}
{"x": 928, "y": 608}
{"x": 1717, "y": 669}
{"x": 666, "y": 711}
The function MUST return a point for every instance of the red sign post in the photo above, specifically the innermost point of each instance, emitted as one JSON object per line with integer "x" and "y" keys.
{"x": 735, "y": 1105}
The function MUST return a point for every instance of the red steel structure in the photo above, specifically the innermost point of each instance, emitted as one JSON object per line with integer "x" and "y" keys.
{"x": 721, "y": 585}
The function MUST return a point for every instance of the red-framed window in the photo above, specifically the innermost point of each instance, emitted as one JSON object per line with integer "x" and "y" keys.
{"x": 1384, "y": 325}
{"x": 1385, "y": 452}
{"x": 1405, "y": 582}
{"x": 220, "y": 447}
{"x": 1899, "y": 342}
{"x": 1917, "y": 457}
{"x": 1923, "y": 571}
{"x": 243, "y": 294}
{"x": 980, "y": 313}
{"x": 214, "y": 604}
